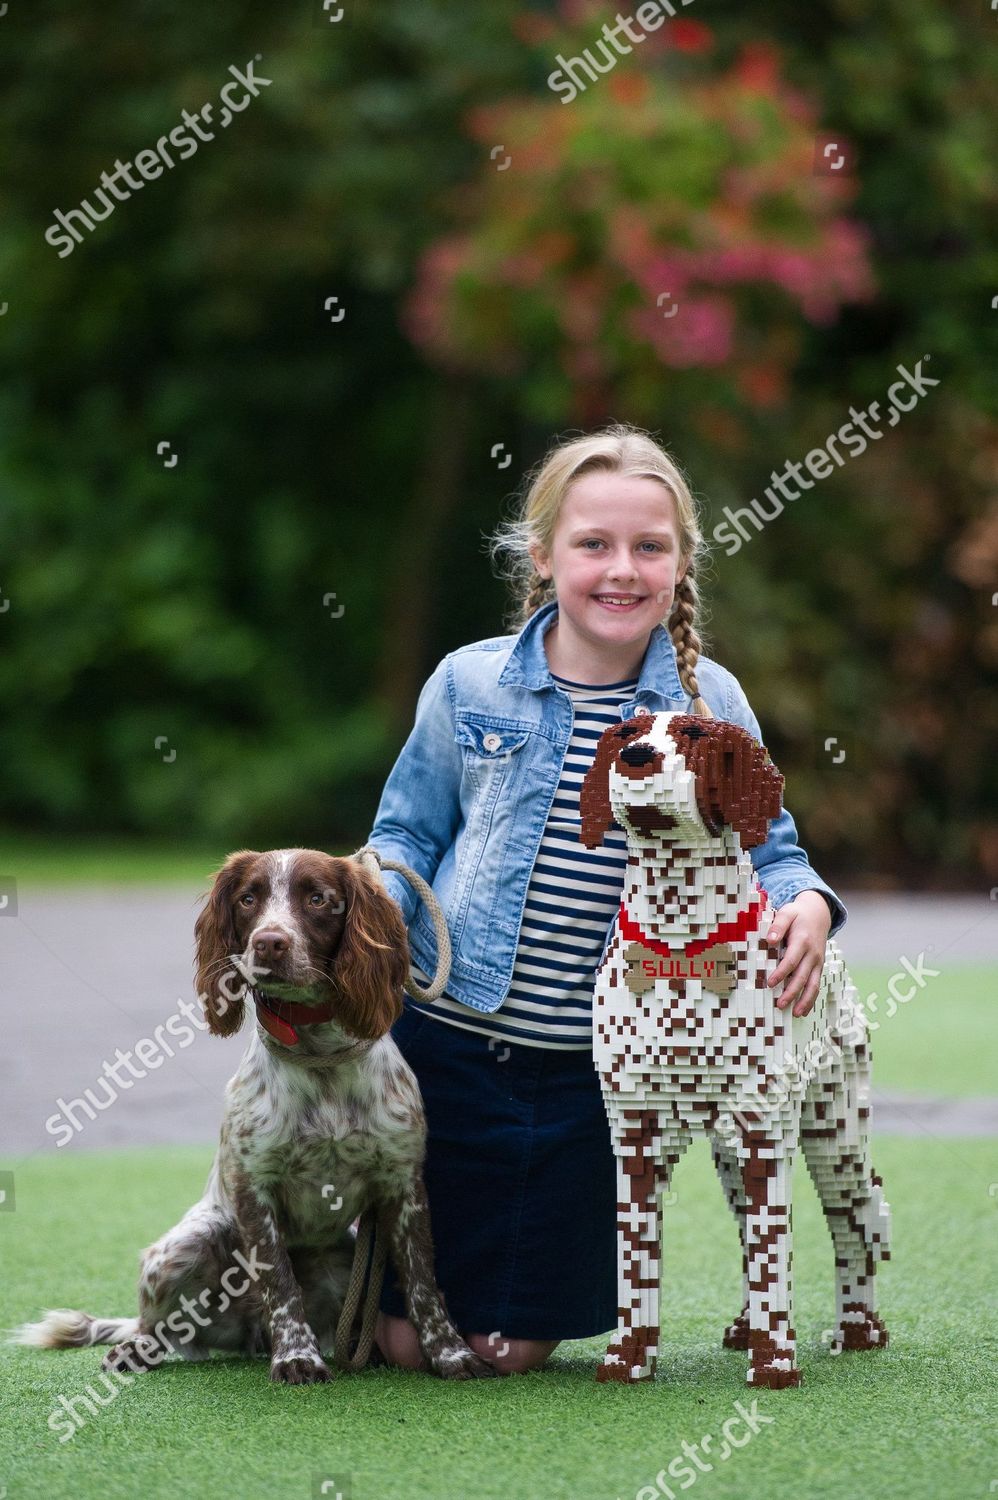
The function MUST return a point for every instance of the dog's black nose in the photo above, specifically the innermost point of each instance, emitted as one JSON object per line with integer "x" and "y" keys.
{"x": 637, "y": 755}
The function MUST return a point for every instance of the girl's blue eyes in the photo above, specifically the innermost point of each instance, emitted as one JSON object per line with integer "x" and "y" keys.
{"x": 658, "y": 547}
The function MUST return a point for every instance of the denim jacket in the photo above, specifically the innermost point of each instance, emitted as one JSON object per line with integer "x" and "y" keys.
{"x": 467, "y": 800}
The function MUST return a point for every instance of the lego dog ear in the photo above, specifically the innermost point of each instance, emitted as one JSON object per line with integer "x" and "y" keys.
{"x": 594, "y": 798}
{"x": 737, "y": 784}
{"x": 221, "y": 988}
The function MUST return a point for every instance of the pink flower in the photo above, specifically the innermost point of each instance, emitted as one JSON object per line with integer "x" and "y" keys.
{"x": 701, "y": 333}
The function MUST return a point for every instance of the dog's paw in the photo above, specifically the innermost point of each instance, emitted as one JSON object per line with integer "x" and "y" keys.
{"x": 301, "y": 1369}
{"x": 610, "y": 1371}
{"x": 866, "y": 1333}
{"x": 132, "y": 1356}
{"x": 775, "y": 1377}
{"x": 630, "y": 1357}
{"x": 458, "y": 1362}
{"x": 736, "y": 1335}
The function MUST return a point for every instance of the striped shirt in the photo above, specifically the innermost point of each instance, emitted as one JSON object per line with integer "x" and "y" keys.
{"x": 572, "y": 896}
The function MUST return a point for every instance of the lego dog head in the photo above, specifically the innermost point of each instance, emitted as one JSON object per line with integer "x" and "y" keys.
{"x": 673, "y": 773}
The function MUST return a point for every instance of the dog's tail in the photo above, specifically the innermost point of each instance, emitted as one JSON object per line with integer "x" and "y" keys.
{"x": 62, "y": 1328}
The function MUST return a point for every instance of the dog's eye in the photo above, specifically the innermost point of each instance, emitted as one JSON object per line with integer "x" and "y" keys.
{"x": 627, "y": 734}
{"x": 316, "y": 898}
{"x": 247, "y": 898}
{"x": 694, "y": 732}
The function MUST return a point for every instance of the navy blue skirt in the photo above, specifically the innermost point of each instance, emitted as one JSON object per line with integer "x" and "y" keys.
{"x": 521, "y": 1182}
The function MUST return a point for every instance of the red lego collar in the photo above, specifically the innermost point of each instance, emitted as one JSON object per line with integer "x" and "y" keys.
{"x": 726, "y": 932}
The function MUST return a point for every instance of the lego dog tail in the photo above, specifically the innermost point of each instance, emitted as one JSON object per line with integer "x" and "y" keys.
{"x": 62, "y": 1328}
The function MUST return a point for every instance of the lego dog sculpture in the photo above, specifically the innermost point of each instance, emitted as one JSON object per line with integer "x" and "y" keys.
{"x": 687, "y": 1037}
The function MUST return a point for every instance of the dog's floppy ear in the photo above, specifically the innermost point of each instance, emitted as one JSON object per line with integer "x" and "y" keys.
{"x": 372, "y": 962}
{"x": 221, "y": 988}
{"x": 594, "y": 798}
{"x": 737, "y": 785}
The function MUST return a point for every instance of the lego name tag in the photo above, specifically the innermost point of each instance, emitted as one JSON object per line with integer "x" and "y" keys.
{"x": 715, "y": 969}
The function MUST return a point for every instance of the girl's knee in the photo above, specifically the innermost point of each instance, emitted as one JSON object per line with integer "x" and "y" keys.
{"x": 512, "y": 1356}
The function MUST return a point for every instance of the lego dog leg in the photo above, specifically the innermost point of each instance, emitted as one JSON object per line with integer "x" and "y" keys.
{"x": 643, "y": 1169}
{"x": 736, "y": 1335}
{"x": 855, "y": 1208}
{"x": 767, "y": 1175}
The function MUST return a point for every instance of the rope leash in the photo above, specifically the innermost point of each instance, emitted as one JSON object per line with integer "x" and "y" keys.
{"x": 368, "y": 1230}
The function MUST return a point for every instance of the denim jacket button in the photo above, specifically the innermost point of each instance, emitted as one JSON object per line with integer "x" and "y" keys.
{"x": 492, "y": 741}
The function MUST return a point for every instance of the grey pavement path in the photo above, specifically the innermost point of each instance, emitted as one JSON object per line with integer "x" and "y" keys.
{"x": 86, "y": 970}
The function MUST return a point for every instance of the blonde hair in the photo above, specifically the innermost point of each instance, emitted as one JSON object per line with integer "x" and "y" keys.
{"x": 617, "y": 449}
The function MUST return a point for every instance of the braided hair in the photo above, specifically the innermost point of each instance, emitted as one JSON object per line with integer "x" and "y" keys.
{"x": 617, "y": 449}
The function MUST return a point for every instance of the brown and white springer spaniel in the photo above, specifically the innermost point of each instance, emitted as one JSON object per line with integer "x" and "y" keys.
{"x": 323, "y": 1120}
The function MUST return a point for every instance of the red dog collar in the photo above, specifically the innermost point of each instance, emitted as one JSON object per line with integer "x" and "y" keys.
{"x": 727, "y": 932}
{"x": 276, "y": 1016}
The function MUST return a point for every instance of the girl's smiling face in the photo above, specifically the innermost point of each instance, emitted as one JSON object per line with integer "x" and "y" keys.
{"x": 617, "y": 539}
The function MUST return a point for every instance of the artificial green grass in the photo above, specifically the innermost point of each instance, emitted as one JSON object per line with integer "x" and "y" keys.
{"x": 942, "y": 1041}
{"x": 913, "y": 1420}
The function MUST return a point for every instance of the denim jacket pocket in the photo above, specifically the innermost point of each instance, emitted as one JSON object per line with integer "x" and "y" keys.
{"x": 489, "y": 737}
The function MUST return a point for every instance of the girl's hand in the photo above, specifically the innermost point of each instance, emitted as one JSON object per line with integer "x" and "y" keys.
{"x": 803, "y": 923}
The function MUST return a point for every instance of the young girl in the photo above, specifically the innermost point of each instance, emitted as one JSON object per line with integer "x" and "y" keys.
{"x": 484, "y": 803}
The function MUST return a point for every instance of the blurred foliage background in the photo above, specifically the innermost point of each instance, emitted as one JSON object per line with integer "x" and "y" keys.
{"x": 503, "y": 263}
